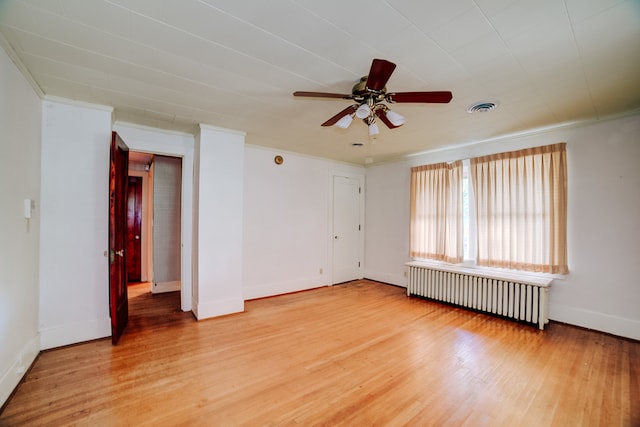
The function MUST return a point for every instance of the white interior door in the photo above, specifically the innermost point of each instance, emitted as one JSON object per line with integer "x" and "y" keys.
{"x": 346, "y": 229}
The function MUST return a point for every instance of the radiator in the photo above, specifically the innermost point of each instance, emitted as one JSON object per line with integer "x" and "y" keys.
{"x": 522, "y": 298}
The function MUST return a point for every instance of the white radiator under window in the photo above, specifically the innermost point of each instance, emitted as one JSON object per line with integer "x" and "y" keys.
{"x": 523, "y": 298}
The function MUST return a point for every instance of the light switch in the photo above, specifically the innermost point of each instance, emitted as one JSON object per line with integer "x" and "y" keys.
{"x": 27, "y": 208}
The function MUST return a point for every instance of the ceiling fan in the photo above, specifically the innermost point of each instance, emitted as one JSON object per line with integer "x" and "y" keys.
{"x": 371, "y": 96}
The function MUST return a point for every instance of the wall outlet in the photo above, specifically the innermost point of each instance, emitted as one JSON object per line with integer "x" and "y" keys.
{"x": 321, "y": 271}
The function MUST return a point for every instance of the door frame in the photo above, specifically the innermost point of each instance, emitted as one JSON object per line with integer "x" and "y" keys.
{"x": 361, "y": 181}
{"x": 174, "y": 144}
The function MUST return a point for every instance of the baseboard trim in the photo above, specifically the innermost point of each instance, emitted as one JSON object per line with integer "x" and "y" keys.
{"x": 614, "y": 325}
{"x": 280, "y": 288}
{"x": 391, "y": 279}
{"x": 62, "y": 335}
{"x": 161, "y": 287}
{"x": 215, "y": 308}
{"x": 18, "y": 369}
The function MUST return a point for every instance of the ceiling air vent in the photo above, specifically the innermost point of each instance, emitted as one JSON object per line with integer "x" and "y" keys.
{"x": 482, "y": 107}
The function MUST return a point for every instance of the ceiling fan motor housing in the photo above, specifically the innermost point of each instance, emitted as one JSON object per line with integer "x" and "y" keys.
{"x": 361, "y": 89}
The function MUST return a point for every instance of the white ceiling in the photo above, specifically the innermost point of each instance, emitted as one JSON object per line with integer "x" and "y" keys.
{"x": 235, "y": 64}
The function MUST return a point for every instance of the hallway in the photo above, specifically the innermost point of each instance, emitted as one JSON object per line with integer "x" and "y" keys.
{"x": 147, "y": 310}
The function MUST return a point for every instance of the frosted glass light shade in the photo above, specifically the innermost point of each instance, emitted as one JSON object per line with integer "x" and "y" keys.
{"x": 395, "y": 118}
{"x": 345, "y": 121}
{"x": 373, "y": 129}
{"x": 363, "y": 111}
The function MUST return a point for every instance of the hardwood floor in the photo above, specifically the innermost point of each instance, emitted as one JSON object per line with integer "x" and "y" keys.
{"x": 360, "y": 353}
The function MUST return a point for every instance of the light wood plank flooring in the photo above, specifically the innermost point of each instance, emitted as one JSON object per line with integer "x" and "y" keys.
{"x": 356, "y": 354}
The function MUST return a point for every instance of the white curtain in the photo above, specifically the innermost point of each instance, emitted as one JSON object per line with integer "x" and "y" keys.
{"x": 436, "y": 212}
{"x": 521, "y": 209}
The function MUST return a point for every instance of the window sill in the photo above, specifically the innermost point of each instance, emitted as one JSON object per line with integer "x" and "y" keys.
{"x": 541, "y": 279}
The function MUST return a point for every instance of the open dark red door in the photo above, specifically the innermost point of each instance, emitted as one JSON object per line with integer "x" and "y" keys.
{"x": 118, "y": 304}
{"x": 134, "y": 229}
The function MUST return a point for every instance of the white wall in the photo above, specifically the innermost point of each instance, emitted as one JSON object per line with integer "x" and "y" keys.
{"x": 601, "y": 292}
{"x": 167, "y": 241}
{"x": 218, "y": 211}
{"x": 387, "y": 222}
{"x": 74, "y": 270}
{"x": 286, "y": 209}
{"x": 20, "y": 126}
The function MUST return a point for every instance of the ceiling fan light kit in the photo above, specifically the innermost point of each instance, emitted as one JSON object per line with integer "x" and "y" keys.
{"x": 373, "y": 129}
{"x": 363, "y": 111}
{"x": 345, "y": 121}
{"x": 370, "y": 95}
{"x": 395, "y": 118}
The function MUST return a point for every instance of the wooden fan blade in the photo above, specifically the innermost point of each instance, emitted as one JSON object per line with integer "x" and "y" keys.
{"x": 382, "y": 115}
{"x": 323, "y": 95}
{"x": 333, "y": 120}
{"x": 429, "y": 97}
{"x": 379, "y": 74}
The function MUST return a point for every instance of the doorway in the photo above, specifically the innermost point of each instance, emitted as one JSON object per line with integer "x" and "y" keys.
{"x": 134, "y": 229}
{"x": 154, "y": 222}
{"x": 156, "y": 142}
{"x": 139, "y": 218}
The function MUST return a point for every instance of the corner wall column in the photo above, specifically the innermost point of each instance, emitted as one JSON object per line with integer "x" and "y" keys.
{"x": 218, "y": 215}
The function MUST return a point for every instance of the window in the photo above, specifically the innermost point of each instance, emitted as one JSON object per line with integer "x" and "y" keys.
{"x": 436, "y": 212}
{"x": 511, "y": 214}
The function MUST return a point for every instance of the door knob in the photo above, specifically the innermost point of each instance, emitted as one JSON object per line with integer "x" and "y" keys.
{"x": 137, "y": 237}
